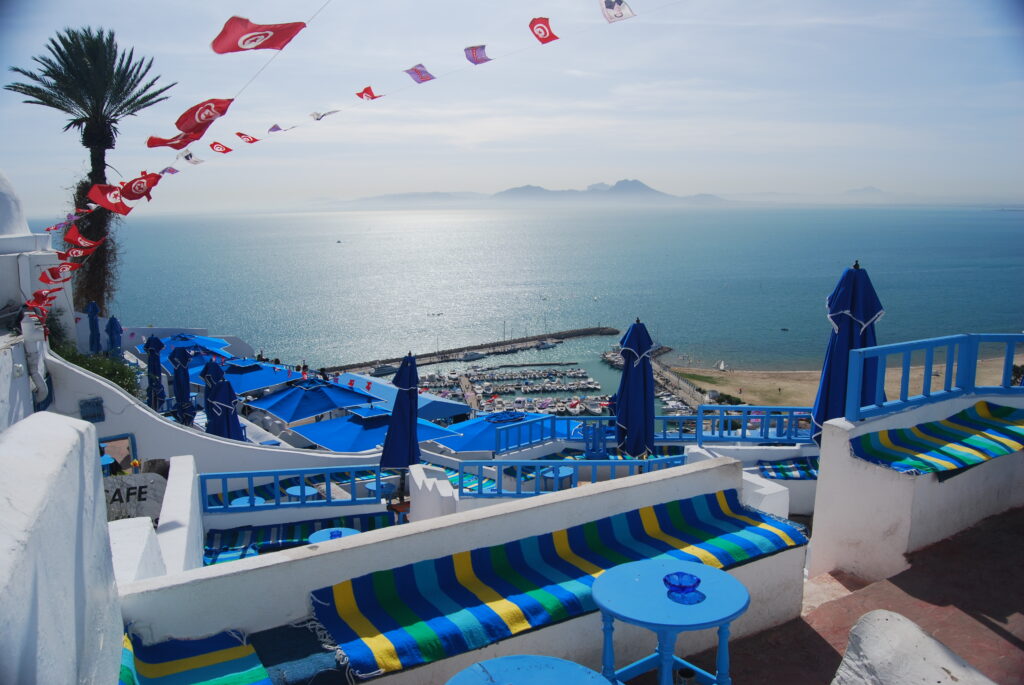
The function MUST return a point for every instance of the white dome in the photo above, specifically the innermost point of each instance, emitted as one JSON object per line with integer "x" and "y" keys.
{"x": 12, "y": 220}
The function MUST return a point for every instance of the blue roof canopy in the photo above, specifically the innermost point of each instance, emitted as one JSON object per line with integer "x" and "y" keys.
{"x": 477, "y": 435}
{"x": 431, "y": 407}
{"x": 354, "y": 433}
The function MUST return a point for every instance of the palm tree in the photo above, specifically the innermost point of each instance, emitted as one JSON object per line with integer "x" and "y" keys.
{"x": 86, "y": 76}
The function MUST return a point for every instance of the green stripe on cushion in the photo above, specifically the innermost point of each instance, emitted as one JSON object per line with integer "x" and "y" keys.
{"x": 392, "y": 619}
{"x": 965, "y": 439}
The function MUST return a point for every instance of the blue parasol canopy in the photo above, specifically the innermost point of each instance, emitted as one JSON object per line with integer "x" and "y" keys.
{"x": 221, "y": 416}
{"x": 363, "y": 429}
{"x": 853, "y": 308}
{"x": 184, "y": 410}
{"x": 114, "y": 331}
{"x": 154, "y": 373}
{"x": 401, "y": 446}
{"x": 306, "y": 399}
{"x": 634, "y": 401}
{"x": 93, "y": 311}
{"x": 431, "y": 407}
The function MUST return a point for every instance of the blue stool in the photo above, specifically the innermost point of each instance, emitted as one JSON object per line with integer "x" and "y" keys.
{"x": 106, "y": 464}
{"x": 527, "y": 669}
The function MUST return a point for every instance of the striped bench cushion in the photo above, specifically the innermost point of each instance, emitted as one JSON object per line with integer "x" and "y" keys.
{"x": 970, "y": 437}
{"x": 397, "y": 618}
{"x": 229, "y": 544}
{"x": 797, "y": 468}
{"x": 221, "y": 660}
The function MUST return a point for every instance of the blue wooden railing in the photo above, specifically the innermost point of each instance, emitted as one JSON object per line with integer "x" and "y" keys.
{"x": 344, "y": 476}
{"x": 538, "y": 476}
{"x": 711, "y": 423}
{"x": 957, "y": 353}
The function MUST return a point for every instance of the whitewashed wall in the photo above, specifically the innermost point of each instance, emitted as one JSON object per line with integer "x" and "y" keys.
{"x": 15, "y": 391}
{"x": 180, "y": 531}
{"x": 158, "y": 438}
{"x": 60, "y": 614}
{"x": 771, "y": 496}
{"x": 867, "y": 517}
{"x": 135, "y": 550}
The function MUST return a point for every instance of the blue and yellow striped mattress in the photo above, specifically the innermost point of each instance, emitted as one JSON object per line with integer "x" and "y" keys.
{"x": 219, "y": 660}
{"x": 970, "y": 437}
{"x": 401, "y": 617}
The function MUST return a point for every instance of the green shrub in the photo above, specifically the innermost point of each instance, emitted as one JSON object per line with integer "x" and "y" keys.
{"x": 114, "y": 370}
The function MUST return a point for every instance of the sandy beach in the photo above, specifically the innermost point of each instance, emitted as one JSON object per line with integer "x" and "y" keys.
{"x": 798, "y": 388}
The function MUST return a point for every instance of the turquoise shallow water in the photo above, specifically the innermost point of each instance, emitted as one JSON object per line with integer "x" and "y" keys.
{"x": 713, "y": 284}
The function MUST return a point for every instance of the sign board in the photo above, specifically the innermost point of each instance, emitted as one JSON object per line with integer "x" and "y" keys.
{"x": 137, "y": 494}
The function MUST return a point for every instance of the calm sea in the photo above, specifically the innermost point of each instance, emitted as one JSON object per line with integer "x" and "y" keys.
{"x": 713, "y": 284}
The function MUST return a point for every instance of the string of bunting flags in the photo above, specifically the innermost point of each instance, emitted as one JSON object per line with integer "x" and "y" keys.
{"x": 237, "y": 35}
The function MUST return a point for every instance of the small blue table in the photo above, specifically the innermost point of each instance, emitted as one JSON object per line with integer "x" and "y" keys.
{"x": 554, "y": 473}
{"x": 297, "y": 492}
{"x": 106, "y": 464}
{"x": 325, "y": 534}
{"x": 247, "y": 501}
{"x": 635, "y": 593}
{"x": 386, "y": 489}
{"x": 526, "y": 669}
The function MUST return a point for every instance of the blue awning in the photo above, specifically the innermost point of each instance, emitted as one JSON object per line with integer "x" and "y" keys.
{"x": 307, "y": 399}
{"x": 355, "y": 433}
{"x": 431, "y": 407}
{"x": 477, "y": 435}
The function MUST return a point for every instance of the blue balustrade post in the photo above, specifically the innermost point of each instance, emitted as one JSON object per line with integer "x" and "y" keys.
{"x": 854, "y": 384}
{"x": 700, "y": 425}
{"x": 966, "y": 363}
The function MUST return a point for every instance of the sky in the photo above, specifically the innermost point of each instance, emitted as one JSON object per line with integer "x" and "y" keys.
{"x": 923, "y": 99}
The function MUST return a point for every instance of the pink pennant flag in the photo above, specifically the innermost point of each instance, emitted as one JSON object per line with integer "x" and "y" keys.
{"x": 477, "y": 55}
{"x": 419, "y": 74}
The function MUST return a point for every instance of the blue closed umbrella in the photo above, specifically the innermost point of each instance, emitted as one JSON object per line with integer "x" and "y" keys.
{"x": 93, "y": 311}
{"x": 114, "y": 331}
{"x": 154, "y": 373}
{"x": 853, "y": 309}
{"x": 221, "y": 416}
{"x": 210, "y": 374}
{"x": 184, "y": 410}
{"x": 634, "y": 401}
{"x": 401, "y": 447}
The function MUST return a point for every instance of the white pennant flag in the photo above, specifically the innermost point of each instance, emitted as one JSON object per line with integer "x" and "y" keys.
{"x": 616, "y": 10}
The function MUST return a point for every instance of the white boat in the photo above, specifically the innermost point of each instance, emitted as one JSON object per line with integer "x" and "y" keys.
{"x": 384, "y": 370}
{"x": 519, "y": 403}
{"x": 594, "y": 407}
{"x": 471, "y": 356}
{"x": 575, "y": 407}
{"x": 560, "y": 407}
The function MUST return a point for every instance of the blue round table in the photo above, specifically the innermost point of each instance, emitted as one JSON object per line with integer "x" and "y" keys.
{"x": 244, "y": 501}
{"x": 297, "y": 491}
{"x": 386, "y": 489}
{"x": 554, "y": 473}
{"x": 106, "y": 464}
{"x": 325, "y": 534}
{"x": 527, "y": 669}
{"x": 635, "y": 593}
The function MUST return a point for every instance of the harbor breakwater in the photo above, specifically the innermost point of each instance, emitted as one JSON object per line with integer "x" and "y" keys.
{"x": 500, "y": 347}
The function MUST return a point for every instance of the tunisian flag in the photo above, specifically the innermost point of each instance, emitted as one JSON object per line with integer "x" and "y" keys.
{"x": 139, "y": 188}
{"x": 178, "y": 142}
{"x": 109, "y": 197}
{"x": 75, "y": 252}
{"x": 196, "y": 119}
{"x": 78, "y": 240}
{"x": 239, "y": 35}
{"x": 55, "y": 274}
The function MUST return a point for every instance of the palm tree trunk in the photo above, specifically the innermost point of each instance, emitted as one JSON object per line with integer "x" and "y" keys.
{"x": 96, "y": 279}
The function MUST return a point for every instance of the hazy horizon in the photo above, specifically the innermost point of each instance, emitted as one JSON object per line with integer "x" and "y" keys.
{"x": 808, "y": 99}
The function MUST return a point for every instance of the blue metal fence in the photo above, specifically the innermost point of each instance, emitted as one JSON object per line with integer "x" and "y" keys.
{"x": 538, "y": 476}
{"x": 349, "y": 477}
{"x": 711, "y": 423}
{"x": 958, "y": 354}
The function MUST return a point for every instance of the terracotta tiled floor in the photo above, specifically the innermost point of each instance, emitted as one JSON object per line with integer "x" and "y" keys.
{"x": 967, "y": 592}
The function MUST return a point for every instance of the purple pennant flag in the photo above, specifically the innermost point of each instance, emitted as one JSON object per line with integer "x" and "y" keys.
{"x": 419, "y": 73}
{"x": 477, "y": 55}
{"x": 169, "y": 170}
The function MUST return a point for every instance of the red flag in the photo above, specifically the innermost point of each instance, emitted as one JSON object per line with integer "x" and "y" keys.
{"x": 351, "y": 382}
{"x": 55, "y": 274}
{"x": 109, "y": 197}
{"x": 76, "y": 239}
{"x": 541, "y": 28}
{"x": 369, "y": 384}
{"x": 196, "y": 119}
{"x": 38, "y": 304}
{"x": 305, "y": 375}
{"x": 139, "y": 188}
{"x": 220, "y": 147}
{"x": 75, "y": 252}
{"x": 239, "y": 35}
{"x": 178, "y": 142}
{"x": 47, "y": 293}
{"x": 368, "y": 94}
{"x": 246, "y": 137}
